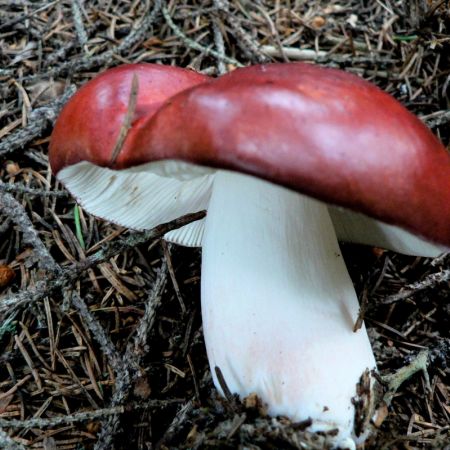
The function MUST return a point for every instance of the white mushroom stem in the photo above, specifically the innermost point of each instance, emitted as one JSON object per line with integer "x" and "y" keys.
{"x": 278, "y": 304}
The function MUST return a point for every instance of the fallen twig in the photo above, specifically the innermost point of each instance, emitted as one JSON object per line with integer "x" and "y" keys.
{"x": 68, "y": 275}
{"x": 195, "y": 45}
{"x": 15, "y": 211}
{"x": 428, "y": 282}
{"x": 39, "y": 119}
{"x": 9, "y": 443}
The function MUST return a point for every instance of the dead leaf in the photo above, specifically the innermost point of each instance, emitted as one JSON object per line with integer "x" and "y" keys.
{"x": 380, "y": 415}
{"x": 142, "y": 388}
{"x": 318, "y": 22}
{"x": 46, "y": 90}
{"x": 6, "y": 275}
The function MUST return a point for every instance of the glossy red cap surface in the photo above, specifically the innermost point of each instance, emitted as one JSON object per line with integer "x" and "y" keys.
{"x": 88, "y": 126}
{"x": 320, "y": 131}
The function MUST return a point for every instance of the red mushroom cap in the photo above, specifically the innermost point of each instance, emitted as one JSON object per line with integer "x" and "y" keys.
{"x": 88, "y": 126}
{"x": 317, "y": 130}
{"x": 320, "y": 131}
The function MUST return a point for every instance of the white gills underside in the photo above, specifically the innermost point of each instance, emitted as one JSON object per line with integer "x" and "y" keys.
{"x": 360, "y": 229}
{"x": 145, "y": 196}
{"x": 349, "y": 227}
{"x": 190, "y": 235}
{"x": 141, "y": 197}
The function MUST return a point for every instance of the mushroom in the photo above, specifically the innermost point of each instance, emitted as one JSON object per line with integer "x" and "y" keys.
{"x": 265, "y": 149}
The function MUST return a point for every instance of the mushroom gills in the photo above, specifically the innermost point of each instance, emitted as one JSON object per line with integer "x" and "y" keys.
{"x": 151, "y": 186}
{"x": 360, "y": 229}
{"x": 349, "y": 226}
{"x": 141, "y": 197}
{"x": 278, "y": 304}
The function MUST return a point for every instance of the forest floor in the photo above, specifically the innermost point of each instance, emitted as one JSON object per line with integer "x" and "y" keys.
{"x": 101, "y": 341}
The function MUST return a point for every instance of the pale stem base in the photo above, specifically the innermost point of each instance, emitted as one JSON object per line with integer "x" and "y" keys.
{"x": 278, "y": 304}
